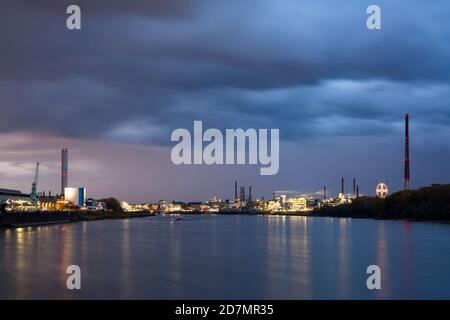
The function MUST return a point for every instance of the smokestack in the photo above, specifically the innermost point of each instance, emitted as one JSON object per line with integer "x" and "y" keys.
{"x": 342, "y": 186}
{"x": 64, "y": 169}
{"x": 357, "y": 191}
{"x": 242, "y": 196}
{"x": 250, "y": 194}
{"x": 324, "y": 193}
{"x": 235, "y": 190}
{"x": 354, "y": 186}
{"x": 406, "y": 176}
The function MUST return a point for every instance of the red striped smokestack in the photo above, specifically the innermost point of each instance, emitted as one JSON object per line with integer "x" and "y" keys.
{"x": 406, "y": 176}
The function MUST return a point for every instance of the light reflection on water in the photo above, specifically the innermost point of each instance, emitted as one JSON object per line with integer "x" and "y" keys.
{"x": 227, "y": 257}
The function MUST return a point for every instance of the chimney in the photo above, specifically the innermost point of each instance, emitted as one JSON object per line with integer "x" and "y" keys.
{"x": 342, "y": 186}
{"x": 64, "y": 170}
{"x": 242, "y": 196}
{"x": 235, "y": 190}
{"x": 250, "y": 194}
{"x": 354, "y": 186}
{"x": 357, "y": 191}
{"x": 324, "y": 193}
{"x": 406, "y": 177}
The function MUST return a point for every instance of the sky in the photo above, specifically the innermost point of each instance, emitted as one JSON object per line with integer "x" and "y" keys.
{"x": 114, "y": 91}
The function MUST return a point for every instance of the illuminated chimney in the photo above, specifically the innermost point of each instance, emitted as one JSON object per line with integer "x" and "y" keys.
{"x": 64, "y": 169}
{"x": 406, "y": 177}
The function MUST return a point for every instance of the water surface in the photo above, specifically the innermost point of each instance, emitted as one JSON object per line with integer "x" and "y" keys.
{"x": 227, "y": 257}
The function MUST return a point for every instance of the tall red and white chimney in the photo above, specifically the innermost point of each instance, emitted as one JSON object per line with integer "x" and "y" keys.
{"x": 406, "y": 175}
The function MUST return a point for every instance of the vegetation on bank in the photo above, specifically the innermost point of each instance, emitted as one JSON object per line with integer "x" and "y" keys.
{"x": 113, "y": 205}
{"x": 428, "y": 203}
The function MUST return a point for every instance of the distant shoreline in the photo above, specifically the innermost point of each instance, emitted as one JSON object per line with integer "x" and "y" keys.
{"x": 310, "y": 214}
{"x": 425, "y": 204}
{"x": 12, "y": 220}
{"x": 362, "y": 208}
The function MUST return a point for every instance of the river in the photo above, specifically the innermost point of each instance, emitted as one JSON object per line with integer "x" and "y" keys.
{"x": 227, "y": 257}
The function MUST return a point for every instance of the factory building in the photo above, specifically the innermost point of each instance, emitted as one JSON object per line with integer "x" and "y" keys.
{"x": 93, "y": 204}
{"x": 9, "y": 194}
{"x": 13, "y": 200}
{"x": 76, "y": 196}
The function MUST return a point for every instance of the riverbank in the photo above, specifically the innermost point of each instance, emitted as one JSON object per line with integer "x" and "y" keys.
{"x": 29, "y": 219}
{"x": 425, "y": 204}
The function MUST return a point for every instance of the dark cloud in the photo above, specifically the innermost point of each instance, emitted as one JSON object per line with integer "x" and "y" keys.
{"x": 137, "y": 70}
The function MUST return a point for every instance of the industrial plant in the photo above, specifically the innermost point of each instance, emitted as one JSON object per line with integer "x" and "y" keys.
{"x": 74, "y": 198}
{"x": 69, "y": 199}
{"x": 282, "y": 202}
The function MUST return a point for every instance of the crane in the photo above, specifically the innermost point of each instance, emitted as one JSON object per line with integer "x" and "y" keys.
{"x": 33, "y": 195}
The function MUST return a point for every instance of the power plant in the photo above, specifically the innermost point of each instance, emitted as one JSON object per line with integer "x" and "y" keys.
{"x": 241, "y": 200}
{"x": 289, "y": 201}
{"x": 46, "y": 209}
